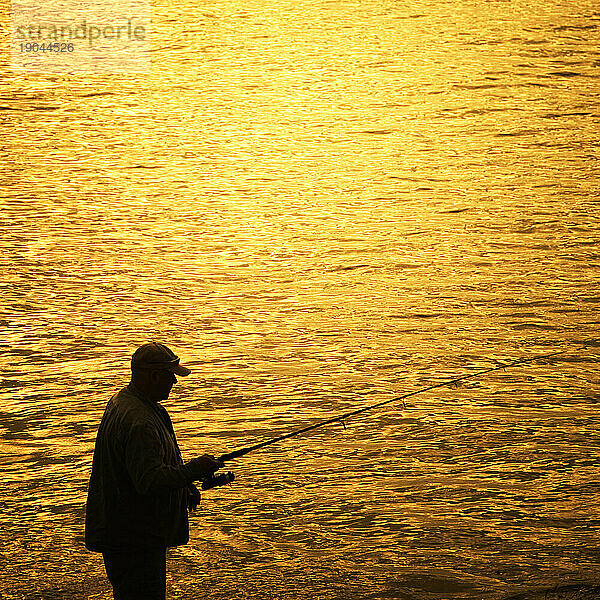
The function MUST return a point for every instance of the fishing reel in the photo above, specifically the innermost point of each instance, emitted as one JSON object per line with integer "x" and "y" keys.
{"x": 217, "y": 480}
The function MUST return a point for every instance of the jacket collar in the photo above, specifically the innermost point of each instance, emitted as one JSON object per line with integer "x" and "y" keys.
{"x": 139, "y": 394}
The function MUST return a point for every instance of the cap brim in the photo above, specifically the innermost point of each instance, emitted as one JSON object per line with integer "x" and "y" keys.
{"x": 180, "y": 370}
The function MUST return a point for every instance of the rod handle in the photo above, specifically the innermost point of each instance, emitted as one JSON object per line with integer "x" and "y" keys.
{"x": 232, "y": 455}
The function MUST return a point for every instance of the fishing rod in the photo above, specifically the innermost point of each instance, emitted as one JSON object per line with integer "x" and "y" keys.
{"x": 224, "y": 478}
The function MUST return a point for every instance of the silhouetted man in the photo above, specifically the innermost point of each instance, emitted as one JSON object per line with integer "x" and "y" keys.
{"x": 140, "y": 489}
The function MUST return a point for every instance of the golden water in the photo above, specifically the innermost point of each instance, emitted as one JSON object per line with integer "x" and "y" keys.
{"x": 318, "y": 205}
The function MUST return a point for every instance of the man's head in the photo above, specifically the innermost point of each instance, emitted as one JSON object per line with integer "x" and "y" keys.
{"x": 153, "y": 370}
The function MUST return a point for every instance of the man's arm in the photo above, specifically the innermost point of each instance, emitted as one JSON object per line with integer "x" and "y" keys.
{"x": 144, "y": 459}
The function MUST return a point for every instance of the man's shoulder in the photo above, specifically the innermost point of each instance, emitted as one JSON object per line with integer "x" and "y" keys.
{"x": 123, "y": 399}
{"x": 126, "y": 407}
{"x": 125, "y": 394}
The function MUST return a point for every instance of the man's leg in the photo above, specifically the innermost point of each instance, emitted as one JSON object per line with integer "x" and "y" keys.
{"x": 137, "y": 574}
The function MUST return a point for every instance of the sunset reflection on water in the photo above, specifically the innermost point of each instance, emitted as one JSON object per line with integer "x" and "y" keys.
{"x": 319, "y": 206}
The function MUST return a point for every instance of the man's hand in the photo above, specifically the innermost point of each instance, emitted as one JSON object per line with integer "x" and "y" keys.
{"x": 204, "y": 466}
{"x": 193, "y": 497}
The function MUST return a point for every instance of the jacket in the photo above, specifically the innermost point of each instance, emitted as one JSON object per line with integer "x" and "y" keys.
{"x": 137, "y": 495}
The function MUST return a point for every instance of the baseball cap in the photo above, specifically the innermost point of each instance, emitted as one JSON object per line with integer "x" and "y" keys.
{"x": 157, "y": 356}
